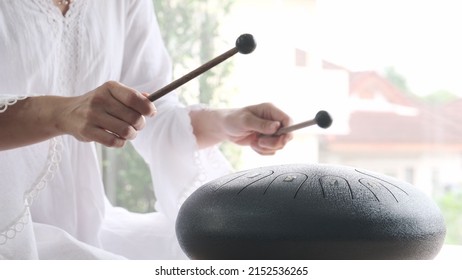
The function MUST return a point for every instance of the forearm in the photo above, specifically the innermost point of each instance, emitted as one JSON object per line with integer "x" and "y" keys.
{"x": 29, "y": 121}
{"x": 110, "y": 114}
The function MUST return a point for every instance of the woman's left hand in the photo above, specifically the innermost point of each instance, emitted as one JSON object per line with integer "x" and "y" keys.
{"x": 252, "y": 126}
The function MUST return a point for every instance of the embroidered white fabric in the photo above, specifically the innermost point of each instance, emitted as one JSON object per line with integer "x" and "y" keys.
{"x": 18, "y": 224}
{"x": 8, "y": 100}
{"x": 53, "y": 204}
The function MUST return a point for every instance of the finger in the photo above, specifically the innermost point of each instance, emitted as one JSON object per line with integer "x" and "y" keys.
{"x": 103, "y": 137}
{"x": 131, "y": 98}
{"x": 272, "y": 143}
{"x": 270, "y": 112}
{"x": 276, "y": 143}
{"x": 269, "y": 145}
{"x": 117, "y": 126}
{"x": 262, "y": 151}
{"x": 278, "y": 114}
{"x": 260, "y": 125}
{"x": 129, "y": 116}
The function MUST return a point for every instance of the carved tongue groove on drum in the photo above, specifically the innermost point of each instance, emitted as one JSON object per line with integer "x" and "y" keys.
{"x": 309, "y": 211}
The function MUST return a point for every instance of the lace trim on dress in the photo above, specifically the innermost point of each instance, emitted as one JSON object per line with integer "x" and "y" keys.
{"x": 199, "y": 178}
{"x": 200, "y": 174}
{"x": 54, "y": 158}
{"x": 47, "y": 174}
{"x": 206, "y": 161}
{"x": 19, "y": 224}
{"x": 8, "y": 100}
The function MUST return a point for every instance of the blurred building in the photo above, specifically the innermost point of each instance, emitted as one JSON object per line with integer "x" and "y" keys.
{"x": 395, "y": 134}
{"x": 376, "y": 125}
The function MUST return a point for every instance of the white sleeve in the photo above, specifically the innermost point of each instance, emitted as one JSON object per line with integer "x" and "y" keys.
{"x": 146, "y": 64}
{"x": 167, "y": 143}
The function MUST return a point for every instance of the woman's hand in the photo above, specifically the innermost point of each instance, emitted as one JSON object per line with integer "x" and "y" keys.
{"x": 111, "y": 114}
{"x": 252, "y": 126}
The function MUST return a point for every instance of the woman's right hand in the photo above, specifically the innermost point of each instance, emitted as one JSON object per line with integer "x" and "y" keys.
{"x": 111, "y": 114}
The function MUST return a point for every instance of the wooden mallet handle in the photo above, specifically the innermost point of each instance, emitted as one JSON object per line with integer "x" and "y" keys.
{"x": 245, "y": 44}
{"x": 322, "y": 119}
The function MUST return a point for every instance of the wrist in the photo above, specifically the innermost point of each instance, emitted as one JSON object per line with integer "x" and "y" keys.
{"x": 48, "y": 110}
{"x": 29, "y": 121}
{"x": 208, "y": 126}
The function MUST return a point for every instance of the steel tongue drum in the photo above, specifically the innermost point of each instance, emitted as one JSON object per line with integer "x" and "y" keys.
{"x": 305, "y": 211}
{"x": 309, "y": 211}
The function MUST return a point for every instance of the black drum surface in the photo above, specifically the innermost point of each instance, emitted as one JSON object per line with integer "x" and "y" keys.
{"x": 309, "y": 211}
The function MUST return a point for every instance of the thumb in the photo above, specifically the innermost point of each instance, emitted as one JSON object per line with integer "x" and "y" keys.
{"x": 263, "y": 126}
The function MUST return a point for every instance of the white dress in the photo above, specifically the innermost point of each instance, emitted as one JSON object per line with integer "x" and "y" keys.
{"x": 52, "y": 202}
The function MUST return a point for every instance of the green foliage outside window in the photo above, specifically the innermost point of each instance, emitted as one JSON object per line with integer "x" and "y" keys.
{"x": 450, "y": 204}
{"x": 127, "y": 179}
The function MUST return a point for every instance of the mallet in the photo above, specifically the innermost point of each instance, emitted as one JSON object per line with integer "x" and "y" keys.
{"x": 322, "y": 119}
{"x": 245, "y": 44}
